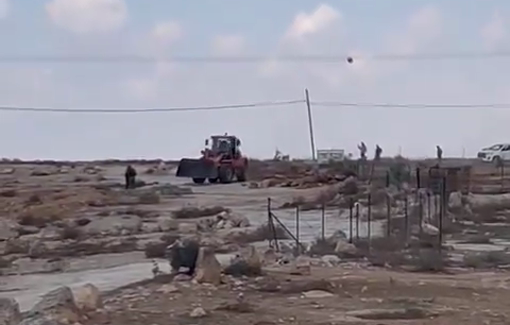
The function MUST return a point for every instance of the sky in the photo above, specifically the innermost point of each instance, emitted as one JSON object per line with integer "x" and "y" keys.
{"x": 166, "y": 28}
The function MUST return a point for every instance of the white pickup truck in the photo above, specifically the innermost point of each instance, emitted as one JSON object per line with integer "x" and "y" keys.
{"x": 495, "y": 153}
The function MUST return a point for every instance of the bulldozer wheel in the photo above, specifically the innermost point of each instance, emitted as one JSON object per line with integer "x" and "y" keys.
{"x": 198, "y": 180}
{"x": 225, "y": 174}
{"x": 241, "y": 175}
{"x": 213, "y": 180}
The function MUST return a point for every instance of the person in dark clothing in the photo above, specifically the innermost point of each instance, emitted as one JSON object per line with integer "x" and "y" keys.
{"x": 183, "y": 253}
{"x": 130, "y": 176}
{"x": 378, "y": 152}
{"x": 439, "y": 153}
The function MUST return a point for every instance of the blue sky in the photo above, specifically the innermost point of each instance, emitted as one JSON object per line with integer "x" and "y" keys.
{"x": 237, "y": 28}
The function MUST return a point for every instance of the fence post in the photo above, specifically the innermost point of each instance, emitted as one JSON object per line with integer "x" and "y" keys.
{"x": 387, "y": 178}
{"x": 442, "y": 212}
{"x": 420, "y": 212}
{"x": 406, "y": 218}
{"x": 388, "y": 215}
{"x": 357, "y": 221}
{"x": 269, "y": 221}
{"x": 323, "y": 221}
{"x": 428, "y": 207}
{"x": 298, "y": 248}
{"x": 369, "y": 218}
{"x": 351, "y": 203}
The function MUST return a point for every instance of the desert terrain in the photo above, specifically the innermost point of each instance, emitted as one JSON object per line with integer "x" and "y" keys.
{"x": 78, "y": 248}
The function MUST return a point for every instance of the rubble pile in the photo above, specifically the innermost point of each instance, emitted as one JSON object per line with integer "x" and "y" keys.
{"x": 301, "y": 176}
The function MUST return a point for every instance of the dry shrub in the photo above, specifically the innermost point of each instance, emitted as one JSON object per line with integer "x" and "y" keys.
{"x": 157, "y": 250}
{"x": 9, "y": 193}
{"x": 321, "y": 247}
{"x": 149, "y": 198}
{"x": 242, "y": 268}
{"x": 34, "y": 199}
{"x": 428, "y": 260}
{"x": 68, "y": 232}
{"x": 195, "y": 212}
{"x": 486, "y": 260}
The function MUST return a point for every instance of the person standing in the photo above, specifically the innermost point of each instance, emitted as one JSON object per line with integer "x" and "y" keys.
{"x": 439, "y": 153}
{"x": 378, "y": 153}
{"x": 362, "y": 150}
{"x": 130, "y": 177}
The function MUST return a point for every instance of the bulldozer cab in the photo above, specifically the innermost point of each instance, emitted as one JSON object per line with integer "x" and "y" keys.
{"x": 225, "y": 144}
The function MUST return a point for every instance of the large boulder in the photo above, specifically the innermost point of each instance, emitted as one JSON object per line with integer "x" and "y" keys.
{"x": 114, "y": 225}
{"x": 7, "y": 230}
{"x": 9, "y": 312}
{"x": 57, "y": 305}
{"x": 88, "y": 298}
{"x": 208, "y": 267}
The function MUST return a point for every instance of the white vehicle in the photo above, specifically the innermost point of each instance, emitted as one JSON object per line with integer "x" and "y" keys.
{"x": 495, "y": 153}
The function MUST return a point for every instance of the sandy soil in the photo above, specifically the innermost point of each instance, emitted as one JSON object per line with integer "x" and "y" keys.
{"x": 343, "y": 292}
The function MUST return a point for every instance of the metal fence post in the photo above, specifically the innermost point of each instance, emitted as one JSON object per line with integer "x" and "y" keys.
{"x": 357, "y": 221}
{"x": 297, "y": 231}
{"x": 388, "y": 215}
{"x": 351, "y": 203}
{"x": 406, "y": 218}
{"x": 323, "y": 222}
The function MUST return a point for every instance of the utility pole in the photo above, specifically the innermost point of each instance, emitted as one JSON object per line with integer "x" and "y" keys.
{"x": 310, "y": 124}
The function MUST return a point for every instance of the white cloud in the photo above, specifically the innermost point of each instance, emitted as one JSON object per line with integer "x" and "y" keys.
{"x": 88, "y": 16}
{"x": 307, "y": 24}
{"x": 227, "y": 44}
{"x": 4, "y": 8}
{"x": 423, "y": 27}
{"x": 494, "y": 31}
{"x": 167, "y": 32}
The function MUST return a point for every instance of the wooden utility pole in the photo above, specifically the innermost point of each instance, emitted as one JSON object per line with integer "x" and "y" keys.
{"x": 310, "y": 125}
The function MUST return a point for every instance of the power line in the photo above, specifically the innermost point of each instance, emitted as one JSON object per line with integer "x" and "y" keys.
{"x": 148, "y": 110}
{"x": 410, "y": 105}
{"x": 251, "y": 105}
{"x": 319, "y": 58}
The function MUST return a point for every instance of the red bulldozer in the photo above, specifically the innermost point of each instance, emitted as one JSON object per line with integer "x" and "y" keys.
{"x": 222, "y": 162}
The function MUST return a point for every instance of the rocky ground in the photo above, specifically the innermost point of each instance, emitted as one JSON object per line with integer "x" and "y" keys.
{"x": 70, "y": 218}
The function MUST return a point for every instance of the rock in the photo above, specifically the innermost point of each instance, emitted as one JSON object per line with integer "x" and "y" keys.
{"x": 41, "y": 172}
{"x": 150, "y": 227}
{"x": 50, "y": 233}
{"x": 301, "y": 267}
{"x": 167, "y": 223}
{"x": 344, "y": 247}
{"x": 7, "y": 230}
{"x": 88, "y": 298}
{"x": 198, "y": 312}
{"x": 316, "y": 294}
{"x": 187, "y": 228}
{"x": 168, "y": 288}
{"x": 208, "y": 268}
{"x": 41, "y": 320}
{"x": 114, "y": 225}
{"x": 28, "y": 230}
{"x": 331, "y": 260}
{"x": 247, "y": 263}
{"x": 455, "y": 201}
{"x": 7, "y": 171}
{"x": 9, "y": 312}
{"x": 391, "y": 314}
{"x": 58, "y": 305}
{"x": 37, "y": 249}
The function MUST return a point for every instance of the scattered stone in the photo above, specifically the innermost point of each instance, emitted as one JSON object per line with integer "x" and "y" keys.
{"x": 7, "y": 230}
{"x": 247, "y": 263}
{"x": 167, "y": 223}
{"x": 198, "y": 312}
{"x": 88, "y": 298}
{"x": 37, "y": 249}
{"x": 187, "y": 228}
{"x": 7, "y": 171}
{"x": 391, "y": 314}
{"x": 114, "y": 225}
{"x": 316, "y": 294}
{"x": 168, "y": 288}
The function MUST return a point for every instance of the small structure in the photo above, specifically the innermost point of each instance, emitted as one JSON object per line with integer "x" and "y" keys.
{"x": 325, "y": 156}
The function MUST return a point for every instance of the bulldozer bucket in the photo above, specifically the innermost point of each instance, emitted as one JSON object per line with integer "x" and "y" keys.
{"x": 196, "y": 168}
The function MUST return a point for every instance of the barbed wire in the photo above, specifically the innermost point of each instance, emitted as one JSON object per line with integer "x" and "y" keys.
{"x": 319, "y": 58}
